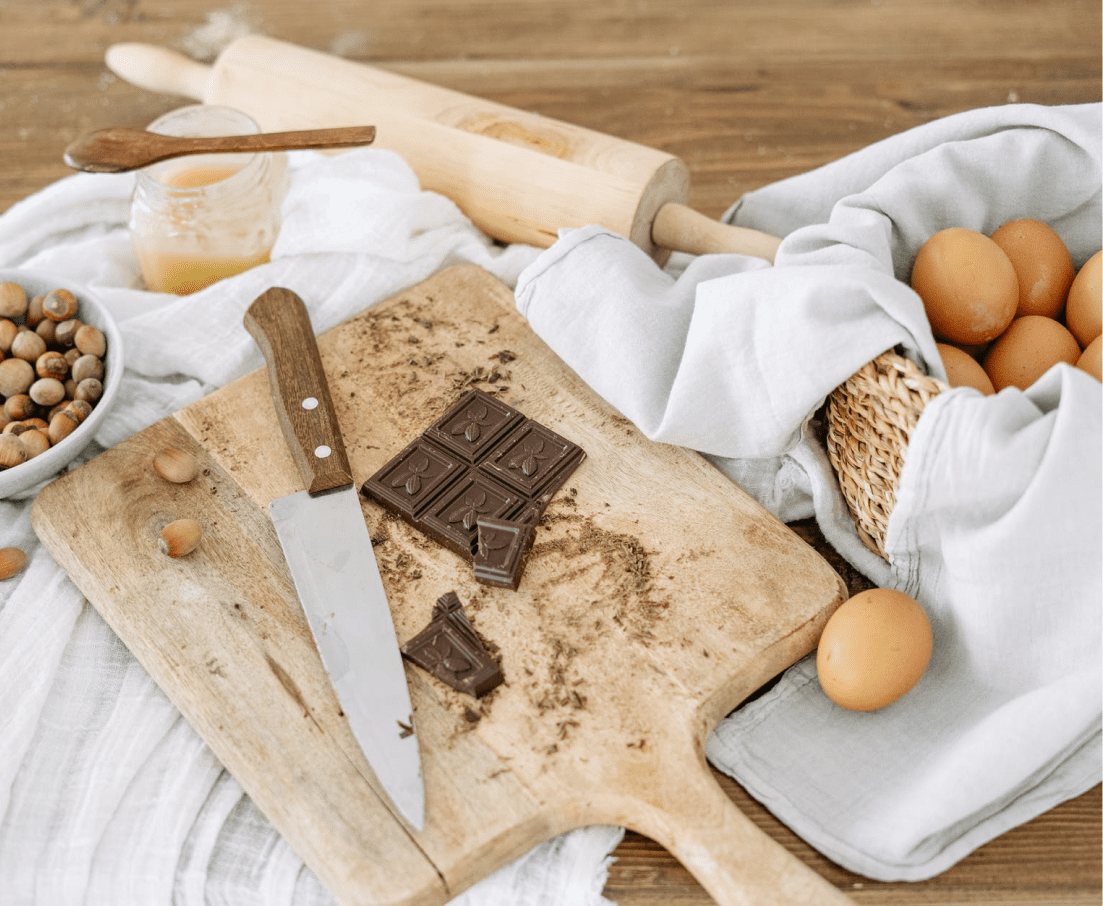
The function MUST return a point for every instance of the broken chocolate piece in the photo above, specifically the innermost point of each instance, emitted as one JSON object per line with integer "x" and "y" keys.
{"x": 502, "y": 544}
{"x": 450, "y": 650}
{"x": 482, "y": 458}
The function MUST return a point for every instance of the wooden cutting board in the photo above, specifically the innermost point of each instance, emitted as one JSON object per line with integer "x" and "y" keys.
{"x": 656, "y": 597}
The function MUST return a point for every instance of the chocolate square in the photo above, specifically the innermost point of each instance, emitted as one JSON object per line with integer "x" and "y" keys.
{"x": 500, "y": 553}
{"x": 414, "y": 478}
{"x": 532, "y": 460}
{"x": 453, "y": 517}
{"x": 482, "y": 458}
{"x": 474, "y": 425}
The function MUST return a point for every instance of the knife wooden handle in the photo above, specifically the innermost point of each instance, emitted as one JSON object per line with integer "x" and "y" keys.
{"x": 279, "y": 322}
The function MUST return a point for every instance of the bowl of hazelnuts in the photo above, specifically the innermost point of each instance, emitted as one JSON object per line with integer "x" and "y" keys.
{"x": 61, "y": 363}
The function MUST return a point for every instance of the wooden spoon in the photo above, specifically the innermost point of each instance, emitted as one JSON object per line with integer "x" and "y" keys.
{"x": 121, "y": 148}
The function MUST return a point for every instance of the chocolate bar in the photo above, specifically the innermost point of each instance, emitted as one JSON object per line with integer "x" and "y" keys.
{"x": 482, "y": 459}
{"x": 502, "y": 544}
{"x": 450, "y": 650}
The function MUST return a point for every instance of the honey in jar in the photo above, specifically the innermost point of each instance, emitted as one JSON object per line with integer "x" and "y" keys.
{"x": 199, "y": 218}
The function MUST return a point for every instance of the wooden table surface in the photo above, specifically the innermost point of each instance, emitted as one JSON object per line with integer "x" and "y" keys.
{"x": 744, "y": 91}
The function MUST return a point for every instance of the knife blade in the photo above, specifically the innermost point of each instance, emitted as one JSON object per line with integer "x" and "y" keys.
{"x": 329, "y": 552}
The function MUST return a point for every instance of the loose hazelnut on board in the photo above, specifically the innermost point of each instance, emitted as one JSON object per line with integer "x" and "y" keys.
{"x": 175, "y": 465}
{"x": 13, "y": 300}
{"x": 180, "y": 538}
{"x": 12, "y": 562}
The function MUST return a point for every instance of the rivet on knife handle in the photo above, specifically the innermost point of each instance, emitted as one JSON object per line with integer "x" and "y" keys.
{"x": 280, "y": 324}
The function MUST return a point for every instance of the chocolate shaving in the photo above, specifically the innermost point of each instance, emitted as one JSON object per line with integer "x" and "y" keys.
{"x": 449, "y": 649}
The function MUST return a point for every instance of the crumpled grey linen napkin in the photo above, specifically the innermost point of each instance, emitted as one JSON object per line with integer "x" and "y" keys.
{"x": 997, "y": 530}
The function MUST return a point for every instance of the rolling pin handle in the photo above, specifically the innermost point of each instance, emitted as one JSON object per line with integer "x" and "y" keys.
{"x": 159, "y": 69}
{"x": 682, "y": 229}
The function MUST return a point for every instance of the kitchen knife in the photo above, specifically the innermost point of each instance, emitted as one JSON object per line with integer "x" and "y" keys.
{"x": 328, "y": 549}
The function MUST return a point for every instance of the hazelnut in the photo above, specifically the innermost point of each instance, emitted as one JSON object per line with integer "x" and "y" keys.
{"x": 8, "y": 330}
{"x": 48, "y": 331}
{"x": 36, "y": 441}
{"x": 34, "y": 312}
{"x": 80, "y": 408}
{"x": 20, "y": 406}
{"x": 66, "y": 332}
{"x": 90, "y": 389}
{"x": 59, "y": 305}
{"x": 47, "y": 391}
{"x": 12, "y": 451}
{"x": 180, "y": 537}
{"x": 87, "y": 366}
{"x": 52, "y": 364}
{"x": 12, "y": 562}
{"x": 16, "y": 376}
{"x": 62, "y": 425}
{"x": 175, "y": 465}
{"x": 90, "y": 340}
{"x": 28, "y": 345}
{"x": 13, "y": 300}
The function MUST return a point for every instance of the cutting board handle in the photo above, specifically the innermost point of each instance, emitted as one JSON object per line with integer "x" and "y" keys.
{"x": 687, "y": 811}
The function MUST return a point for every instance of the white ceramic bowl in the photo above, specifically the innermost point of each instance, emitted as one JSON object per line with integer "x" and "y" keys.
{"x": 91, "y": 310}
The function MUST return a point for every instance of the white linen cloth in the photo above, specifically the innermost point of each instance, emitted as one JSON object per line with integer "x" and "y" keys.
{"x": 997, "y": 531}
{"x": 107, "y": 796}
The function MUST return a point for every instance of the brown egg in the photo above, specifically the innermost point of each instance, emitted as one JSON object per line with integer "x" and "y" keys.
{"x": 1027, "y": 350}
{"x": 874, "y": 648}
{"x": 962, "y": 370}
{"x": 968, "y": 285}
{"x": 1091, "y": 359}
{"x": 1084, "y": 312}
{"x": 1042, "y": 264}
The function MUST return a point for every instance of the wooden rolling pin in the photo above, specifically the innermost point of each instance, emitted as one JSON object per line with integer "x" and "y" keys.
{"x": 519, "y": 176}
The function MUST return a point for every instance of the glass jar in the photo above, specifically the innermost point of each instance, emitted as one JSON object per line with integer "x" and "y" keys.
{"x": 202, "y": 217}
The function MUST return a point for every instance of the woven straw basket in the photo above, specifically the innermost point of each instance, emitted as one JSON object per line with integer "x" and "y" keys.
{"x": 869, "y": 420}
